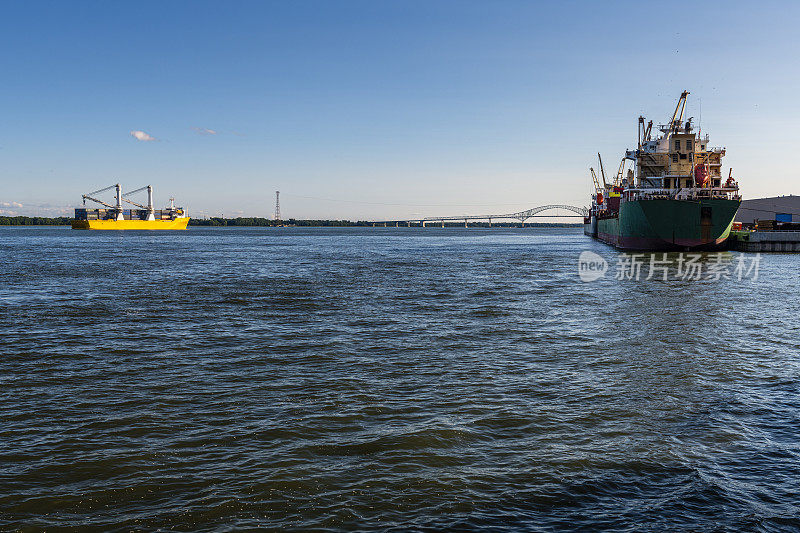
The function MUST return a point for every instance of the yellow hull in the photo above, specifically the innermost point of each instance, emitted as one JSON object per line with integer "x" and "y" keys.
{"x": 176, "y": 224}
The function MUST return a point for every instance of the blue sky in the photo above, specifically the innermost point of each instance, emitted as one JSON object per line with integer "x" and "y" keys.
{"x": 365, "y": 110}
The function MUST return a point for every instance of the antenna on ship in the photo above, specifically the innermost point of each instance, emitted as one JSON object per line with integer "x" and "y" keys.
{"x": 277, "y": 205}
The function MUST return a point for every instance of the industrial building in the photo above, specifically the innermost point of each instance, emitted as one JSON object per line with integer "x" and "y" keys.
{"x": 777, "y": 208}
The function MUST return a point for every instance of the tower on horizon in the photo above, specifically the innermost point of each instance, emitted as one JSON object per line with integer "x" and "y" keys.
{"x": 277, "y": 205}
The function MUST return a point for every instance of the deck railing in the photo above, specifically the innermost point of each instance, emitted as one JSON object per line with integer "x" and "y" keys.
{"x": 685, "y": 193}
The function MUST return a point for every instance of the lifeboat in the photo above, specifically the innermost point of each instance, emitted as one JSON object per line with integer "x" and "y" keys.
{"x": 701, "y": 175}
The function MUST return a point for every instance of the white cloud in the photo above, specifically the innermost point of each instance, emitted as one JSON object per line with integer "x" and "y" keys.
{"x": 204, "y": 131}
{"x": 12, "y": 212}
{"x": 142, "y": 136}
{"x": 34, "y": 210}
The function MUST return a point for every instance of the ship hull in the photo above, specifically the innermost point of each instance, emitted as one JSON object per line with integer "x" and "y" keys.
{"x": 590, "y": 226}
{"x": 669, "y": 225}
{"x": 174, "y": 224}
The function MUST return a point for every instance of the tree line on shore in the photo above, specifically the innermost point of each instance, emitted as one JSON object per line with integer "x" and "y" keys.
{"x": 35, "y": 221}
{"x": 267, "y": 222}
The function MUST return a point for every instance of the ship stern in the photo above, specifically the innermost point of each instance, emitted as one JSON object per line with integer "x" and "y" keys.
{"x": 672, "y": 224}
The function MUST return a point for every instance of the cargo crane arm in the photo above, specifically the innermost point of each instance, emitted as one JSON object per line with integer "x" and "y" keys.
{"x": 140, "y": 206}
{"x": 102, "y": 190}
{"x": 677, "y": 118}
{"x": 87, "y": 197}
{"x": 644, "y": 131}
{"x": 140, "y": 189}
{"x": 91, "y": 194}
{"x": 620, "y": 171}
{"x": 602, "y": 172}
{"x": 594, "y": 179}
{"x": 149, "y": 190}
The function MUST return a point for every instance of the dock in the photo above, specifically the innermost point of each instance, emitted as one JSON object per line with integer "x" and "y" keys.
{"x": 765, "y": 241}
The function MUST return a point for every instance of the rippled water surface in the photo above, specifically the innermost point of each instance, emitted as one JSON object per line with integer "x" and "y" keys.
{"x": 387, "y": 379}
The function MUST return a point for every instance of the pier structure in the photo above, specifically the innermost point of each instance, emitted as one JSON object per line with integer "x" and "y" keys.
{"x": 765, "y": 241}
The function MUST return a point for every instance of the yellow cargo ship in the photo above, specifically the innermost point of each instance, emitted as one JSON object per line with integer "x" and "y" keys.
{"x": 114, "y": 217}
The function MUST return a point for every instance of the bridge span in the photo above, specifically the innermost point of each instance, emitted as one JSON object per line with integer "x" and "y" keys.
{"x": 522, "y": 216}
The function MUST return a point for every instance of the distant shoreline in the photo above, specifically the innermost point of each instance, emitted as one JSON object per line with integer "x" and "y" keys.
{"x": 35, "y": 221}
{"x": 265, "y": 222}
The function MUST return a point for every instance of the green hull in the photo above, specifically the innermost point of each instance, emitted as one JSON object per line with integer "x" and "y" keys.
{"x": 664, "y": 224}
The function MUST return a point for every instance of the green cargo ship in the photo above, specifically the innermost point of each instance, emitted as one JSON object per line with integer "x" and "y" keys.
{"x": 673, "y": 198}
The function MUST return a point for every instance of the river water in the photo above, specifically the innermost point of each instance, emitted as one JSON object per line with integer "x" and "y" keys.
{"x": 388, "y": 379}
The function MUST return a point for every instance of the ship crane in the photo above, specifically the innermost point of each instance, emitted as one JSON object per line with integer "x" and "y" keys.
{"x": 620, "y": 171}
{"x": 140, "y": 206}
{"x": 117, "y": 208}
{"x": 644, "y": 131}
{"x": 677, "y": 118}
{"x": 149, "y": 206}
{"x": 87, "y": 197}
{"x": 594, "y": 179}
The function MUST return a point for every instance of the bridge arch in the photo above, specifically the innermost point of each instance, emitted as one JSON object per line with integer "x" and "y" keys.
{"x": 536, "y": 210}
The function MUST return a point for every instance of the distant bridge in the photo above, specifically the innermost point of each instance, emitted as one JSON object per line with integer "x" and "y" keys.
{"x": 522, "y": 216}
